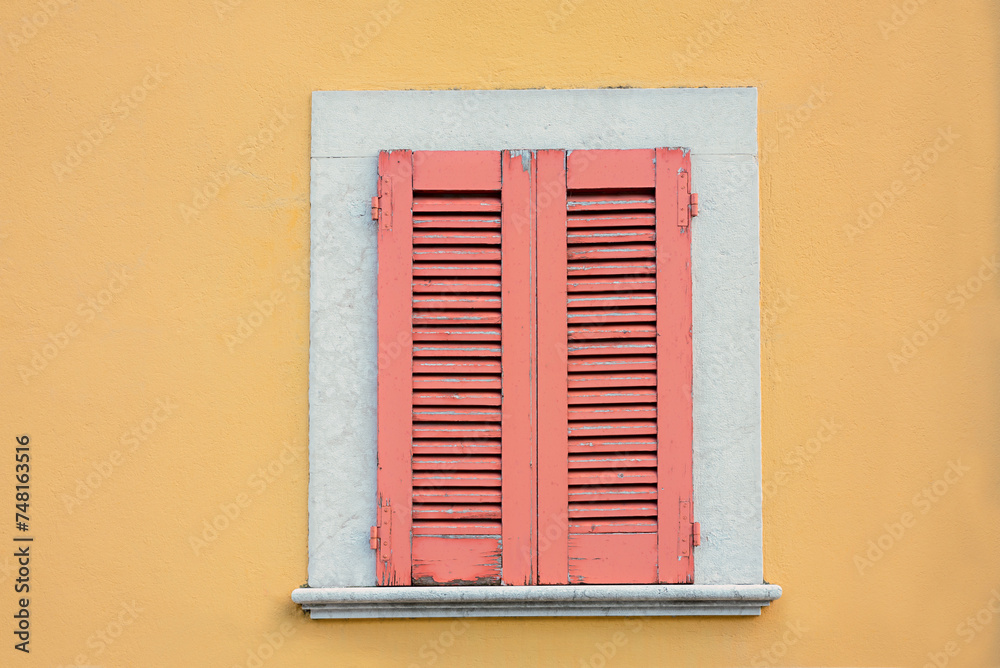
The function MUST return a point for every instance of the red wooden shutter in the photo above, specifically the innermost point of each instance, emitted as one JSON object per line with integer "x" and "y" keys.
{"x": 456, "y": 436}
{"x": 465, "y": 370}
{"x": 614, "y": 367}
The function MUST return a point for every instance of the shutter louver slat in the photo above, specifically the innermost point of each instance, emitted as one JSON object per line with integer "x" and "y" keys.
{"x": 613, "y": 348}
{"x": 456, "y": 398}
{"x": 615, "y": 219}
{"x": 617, "y": 201}
{"x": 465, "y": 204}
{"x": 433, "y": 530}
{"x": 465, "y": 285}
{"x": 613, "y": 410}
{"x": 457, "y": 383}
{"x": 450, "y": 348}
{"x": 455, "y": 269}
{"x": 621, "y": 268}
{"x": 639, "y": 444}
{"x": 463, "y": 414}
{"x": 634, "y": 460}
{"x": 610, "y": 284}
{"x": 634, "y": 315}
{"x": 445, "y": 447}
{"x": 613, "y": 526}
{"x": 617, "y": 381}
{"x": 634, "y": 331}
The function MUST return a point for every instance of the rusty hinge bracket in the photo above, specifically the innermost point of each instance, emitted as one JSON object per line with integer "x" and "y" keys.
{"x": 379, "y": 535}
{"x": 690, "y": 532}
{"x": 687, "y": 201}
{"x": 377, "y": 201}
{"x": 382, "y": 204}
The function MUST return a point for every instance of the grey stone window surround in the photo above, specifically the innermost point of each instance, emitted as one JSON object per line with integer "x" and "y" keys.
{"x": 719, "y": 126}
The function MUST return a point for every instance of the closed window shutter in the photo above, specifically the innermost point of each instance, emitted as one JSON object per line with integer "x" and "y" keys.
{"x": 614, "y": 381}
{"x": 456, "y": 432}
{"x": 534, "y": 431}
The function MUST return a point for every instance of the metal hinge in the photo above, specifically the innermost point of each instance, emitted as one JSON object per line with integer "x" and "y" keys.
{"x": 687, "y": 201}
{"x": 379, "y": 536}
{"x": 376, "y": 201}
{"x": 381, "y": 202}
{"x": 690, "y": 532}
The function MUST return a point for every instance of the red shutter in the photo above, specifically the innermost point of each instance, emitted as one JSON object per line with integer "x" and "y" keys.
{"x": 614, "y": 337}
{"x": 519, "y": 452}
{"x": 456, "y": 351}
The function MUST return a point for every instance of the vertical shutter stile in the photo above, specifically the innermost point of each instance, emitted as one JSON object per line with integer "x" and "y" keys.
{"x": 519, "y": 386}
{"x": 553, "y": 489}
{"x": 674, "y": 366}
{"x": 395, "y": 259}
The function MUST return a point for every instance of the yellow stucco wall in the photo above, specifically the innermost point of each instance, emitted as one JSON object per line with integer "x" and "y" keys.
{"x": 121, "y": 312}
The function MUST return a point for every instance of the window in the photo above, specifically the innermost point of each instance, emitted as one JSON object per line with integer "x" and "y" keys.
{"x": 541, "y": 304}
{"x": 350, "y": 129}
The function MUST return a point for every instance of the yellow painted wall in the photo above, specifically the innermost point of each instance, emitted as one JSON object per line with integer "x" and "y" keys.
{"x": 139, "y": 303}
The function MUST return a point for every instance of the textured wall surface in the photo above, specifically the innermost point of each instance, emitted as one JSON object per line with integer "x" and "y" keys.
{"x": 154, "y": 246}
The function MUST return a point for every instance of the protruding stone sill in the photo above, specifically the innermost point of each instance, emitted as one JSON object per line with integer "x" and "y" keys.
{"x": 535, "y": 601}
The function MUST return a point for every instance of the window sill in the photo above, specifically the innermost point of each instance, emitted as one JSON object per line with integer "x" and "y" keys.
{"x": 535, "y": 601}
